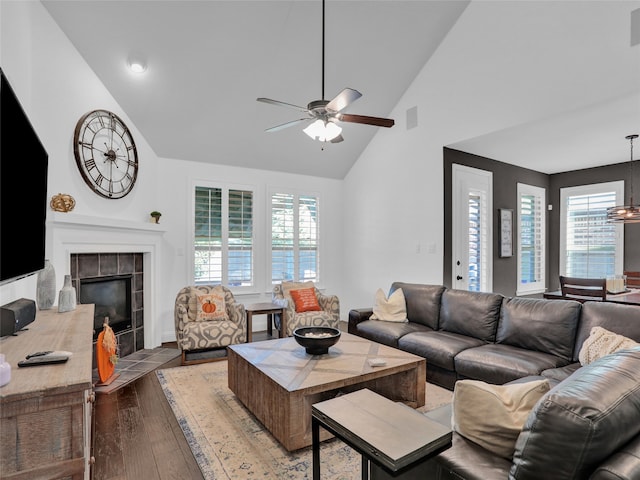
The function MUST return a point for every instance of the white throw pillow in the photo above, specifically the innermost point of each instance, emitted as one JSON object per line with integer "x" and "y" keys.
{"x": 602, "y": 342}
{"x": 392, "y": 309}
{"x": 493, "y": 415}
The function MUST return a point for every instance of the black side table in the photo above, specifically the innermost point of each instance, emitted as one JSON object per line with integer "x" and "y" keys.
{"x": 386, "y": 433}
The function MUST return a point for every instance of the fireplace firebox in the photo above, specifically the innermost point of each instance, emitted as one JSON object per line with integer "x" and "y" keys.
{"x": 112, "y": 298}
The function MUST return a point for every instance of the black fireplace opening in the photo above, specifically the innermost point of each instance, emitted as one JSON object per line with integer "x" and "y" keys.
{"x": 112, "y": 298}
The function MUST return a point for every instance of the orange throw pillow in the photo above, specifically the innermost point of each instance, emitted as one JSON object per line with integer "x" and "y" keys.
{"x": 305, "y": 300}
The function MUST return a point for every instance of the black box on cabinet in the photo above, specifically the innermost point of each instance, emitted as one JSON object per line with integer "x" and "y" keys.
{"x": 16, "y": 315}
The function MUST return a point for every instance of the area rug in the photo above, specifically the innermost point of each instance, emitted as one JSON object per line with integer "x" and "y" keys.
{"x": 228, "y": 442}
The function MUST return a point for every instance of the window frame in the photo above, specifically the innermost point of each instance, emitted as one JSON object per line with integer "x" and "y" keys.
{"x": 269, "y": 234}
{"x": 591, "y": 189}
{"x": 540, "y": 193}
{"x": 226, "y": 188}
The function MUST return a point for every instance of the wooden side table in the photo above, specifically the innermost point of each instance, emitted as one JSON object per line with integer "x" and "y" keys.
{"x": 386, "y": 433}
{"x": 269, "y": 309}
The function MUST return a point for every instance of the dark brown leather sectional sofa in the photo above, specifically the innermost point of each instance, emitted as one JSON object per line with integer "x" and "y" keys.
{"x": 586, "y": 427}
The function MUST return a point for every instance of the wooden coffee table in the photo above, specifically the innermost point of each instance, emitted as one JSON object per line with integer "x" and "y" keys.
{"x": 279, "y": 382}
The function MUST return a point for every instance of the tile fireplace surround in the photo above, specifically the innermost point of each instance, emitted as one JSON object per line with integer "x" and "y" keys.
{"x": 106, "y": 265}
{"x": 79, "y": 234}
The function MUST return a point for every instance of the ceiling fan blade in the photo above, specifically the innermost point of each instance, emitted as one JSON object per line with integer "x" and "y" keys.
{"x": 286, "y": 125}
{"x": 338, "y": 139}
{"x": 281, "y": 104}
{"x": 376, "y": 121}
{"x": 343, "y": 99}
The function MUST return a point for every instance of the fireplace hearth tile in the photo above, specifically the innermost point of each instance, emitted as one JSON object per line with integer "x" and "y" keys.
{"x": 138, "y": 300}
{"x": 126, "y": 343}
{"x": 108, "y": 264}
{"x": 88, "y": 265}
{"x": 125, "y": 263}
{"x": 135, "y": 366}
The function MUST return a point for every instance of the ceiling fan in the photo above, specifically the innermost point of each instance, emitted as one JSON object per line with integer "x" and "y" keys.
{"x": 322, "y": 115}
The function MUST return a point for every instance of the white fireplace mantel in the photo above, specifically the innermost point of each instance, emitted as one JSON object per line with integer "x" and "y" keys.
{"x": 72, "y": 233}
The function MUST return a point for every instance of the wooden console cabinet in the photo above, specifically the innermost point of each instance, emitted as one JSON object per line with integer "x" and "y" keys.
{"x": 45, "y": 411}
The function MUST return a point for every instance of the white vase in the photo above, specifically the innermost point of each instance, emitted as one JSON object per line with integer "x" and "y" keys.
{"x": 46, "y": 286}
{"x": 67, "y": 297}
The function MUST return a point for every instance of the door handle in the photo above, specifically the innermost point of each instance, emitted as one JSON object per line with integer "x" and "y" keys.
{"x": 458, "y": 277}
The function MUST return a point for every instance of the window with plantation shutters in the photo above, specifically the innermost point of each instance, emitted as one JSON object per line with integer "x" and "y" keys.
{"x": 223, "y": 231}
{"x": 590, "y": 247}
{"x": 531, "y": 239}
{"x": 294, "y": 237}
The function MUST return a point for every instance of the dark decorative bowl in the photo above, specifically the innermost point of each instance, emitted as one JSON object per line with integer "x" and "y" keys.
{"x": 316, "y": 340}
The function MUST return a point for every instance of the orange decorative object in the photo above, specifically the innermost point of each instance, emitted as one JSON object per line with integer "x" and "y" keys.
{"x": 208, "y": 307}
{"x": 106, "y": 357}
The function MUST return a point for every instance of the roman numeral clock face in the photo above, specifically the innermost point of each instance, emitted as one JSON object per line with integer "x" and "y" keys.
{"x": 106, "y": 154}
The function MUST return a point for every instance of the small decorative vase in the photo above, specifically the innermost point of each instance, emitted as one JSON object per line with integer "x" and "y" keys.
{"x": 67, "y": 297}
{"x": 46, "y": 286}
{"x": 5, "y": 371}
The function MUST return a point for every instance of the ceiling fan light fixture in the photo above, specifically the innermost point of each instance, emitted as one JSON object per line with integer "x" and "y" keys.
{"x": 626, "y": 213}
{"x": 323, "y": 130}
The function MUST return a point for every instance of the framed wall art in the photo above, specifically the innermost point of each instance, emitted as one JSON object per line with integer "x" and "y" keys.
{"x": 506, "y": 232}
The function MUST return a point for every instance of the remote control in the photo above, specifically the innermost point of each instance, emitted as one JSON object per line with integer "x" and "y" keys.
{"x": 377, "y": 362}
{"x": 38, "y": 354}
{"x": 43, "y": 360}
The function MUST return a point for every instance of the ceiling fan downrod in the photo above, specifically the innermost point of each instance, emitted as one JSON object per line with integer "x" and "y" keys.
{"x": 322, "y": 50}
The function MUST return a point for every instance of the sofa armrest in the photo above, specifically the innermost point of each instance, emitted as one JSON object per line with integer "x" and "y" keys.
{"x": 357, "y": 315}
{"x": 330, "y": 304}
{"x": 237, "y": 313}
{"x": 622, "y": 465}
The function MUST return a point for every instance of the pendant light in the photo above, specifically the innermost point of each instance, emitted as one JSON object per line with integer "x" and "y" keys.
{"x": 626, "y": 213}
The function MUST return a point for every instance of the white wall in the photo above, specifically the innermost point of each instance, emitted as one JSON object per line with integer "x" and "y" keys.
{"x": 56, "y": 87}
{"x": 495, "y": 69}
{"x": 176, "y": 179}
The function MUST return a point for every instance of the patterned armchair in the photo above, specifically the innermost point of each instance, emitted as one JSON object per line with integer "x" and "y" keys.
{"x": 207, "y": 317}
{"x": 328, "y": 316}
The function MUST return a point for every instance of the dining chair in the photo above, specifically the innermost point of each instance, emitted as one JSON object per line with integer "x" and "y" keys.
{"x": 633, "y": 278}
{"x": 583, "y": 289}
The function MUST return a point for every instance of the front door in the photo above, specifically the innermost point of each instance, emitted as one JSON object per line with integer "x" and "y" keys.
{"x": 472, "y": 193}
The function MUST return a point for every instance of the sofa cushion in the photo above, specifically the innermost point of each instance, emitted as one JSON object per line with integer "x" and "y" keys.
{"x": 474, "y": 314}
{"x": 391, "y": 309}
{"x": 423, "y": 302}
{"x": 557, "y": 375}
{"x": 582, "y": 421}
{"x": 621, "y": 319}
{"x": 547, "y": 326}
{"x": 602, "y": 342}
{"x": 387, "y": 333}
{"x": 497, "y": 363}
{"x": 493, "y": 415}
{"x": 439, "y": 348}
{"x": 468, "y": 460}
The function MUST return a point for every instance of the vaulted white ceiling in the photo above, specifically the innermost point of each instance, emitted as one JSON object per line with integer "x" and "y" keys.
{"x": 209, "y": 60}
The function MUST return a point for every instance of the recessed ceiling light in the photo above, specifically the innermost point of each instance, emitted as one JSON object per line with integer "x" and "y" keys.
{"x": 137, "y": 64}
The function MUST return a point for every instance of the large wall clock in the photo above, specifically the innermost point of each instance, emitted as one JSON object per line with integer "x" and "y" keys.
{"x": 105, "y": 153}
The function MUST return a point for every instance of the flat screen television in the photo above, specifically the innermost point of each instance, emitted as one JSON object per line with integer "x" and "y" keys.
{"x": 23, "y": 190}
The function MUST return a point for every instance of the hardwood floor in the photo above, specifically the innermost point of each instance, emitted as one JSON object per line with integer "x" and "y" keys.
{"x": 137, "y": 437}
